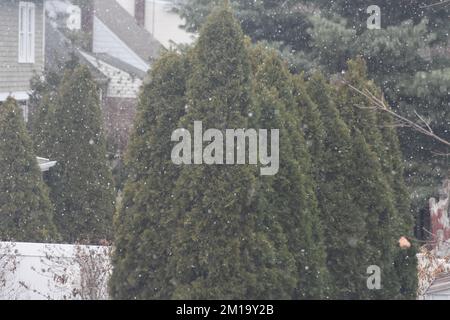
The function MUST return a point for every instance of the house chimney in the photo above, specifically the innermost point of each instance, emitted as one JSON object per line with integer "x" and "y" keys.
{"x": 139, "y": 12}
{"x": 87, "y": 23}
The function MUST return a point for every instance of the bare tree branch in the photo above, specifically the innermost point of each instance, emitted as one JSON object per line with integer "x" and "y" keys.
{"x": 440, "y": 154}
{"x": 445, "y": 3}
{"x": 427, "y": 124}
{"x": 380, "y": 105}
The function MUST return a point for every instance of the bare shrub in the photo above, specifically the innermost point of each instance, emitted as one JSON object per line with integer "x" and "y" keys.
{"x": 8, "y": 266}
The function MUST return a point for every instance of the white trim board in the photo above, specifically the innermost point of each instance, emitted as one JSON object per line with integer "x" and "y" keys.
{"x": 18, "y": 95}
{"x": 45, "y": 164}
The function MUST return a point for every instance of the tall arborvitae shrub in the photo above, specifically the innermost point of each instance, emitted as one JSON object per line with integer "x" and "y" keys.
{"x": 44, "y": 93}
{"x": 379, "y": 132}
{"x": 385, "y": 196}
{"x": 42, "y": 125}
{"x": 26, "y": 213}
{"x": 81, "y": 183}
{"x": 405, "y": 260}
{"x": 223, "y": 249}
{"x": 292, "y": 191}
{"x": 224, "y": 232}
{"x": 145, "y": 223}
{"x": 343, "y": 221}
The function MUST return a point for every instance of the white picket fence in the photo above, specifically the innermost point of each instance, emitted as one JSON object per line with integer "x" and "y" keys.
{"x": 32, "y": 271}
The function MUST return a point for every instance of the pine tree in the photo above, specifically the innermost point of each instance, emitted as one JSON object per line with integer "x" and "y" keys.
{"x": 274, "y": 21}
{"x": 25, "y": 209}
{"x": 222, "y": 248}
{"x": 292, "y": 194}
{"x": 81, "y": 183}
{"x": 146, "y": 223}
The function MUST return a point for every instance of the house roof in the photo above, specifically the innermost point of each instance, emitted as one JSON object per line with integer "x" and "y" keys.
{"x": 441, "y": 283}
{"x": 119, "y": 21}
{"x": 119, "y": 64}
{"x": 59, "y": 49}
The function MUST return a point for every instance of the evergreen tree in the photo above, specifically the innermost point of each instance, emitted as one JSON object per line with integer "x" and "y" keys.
{"x": 146, "y": 222}
{"x": 25, "y": 209}
{"x": 270, "y": 20}
{"x": 405, "y": 259}
{"x": 382, "y": 188}
{"x": 81, "y": 183}
{"x": 310, "y": 120}
{"x": 42, "y": 123}
{"x": 43, "y": 99}
{"x": 292, "y": 192}
{"x": 345, "y": 224}
{"x": 406, "y": 58}
{"x": 379, "y": 133}
{"x": 223, "y": 249}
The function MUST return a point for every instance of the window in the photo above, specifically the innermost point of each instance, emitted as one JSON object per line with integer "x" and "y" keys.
{"x": 26, "y": 32}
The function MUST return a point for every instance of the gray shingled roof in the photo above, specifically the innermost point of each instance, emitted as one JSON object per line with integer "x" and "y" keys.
{"x": 59, "y": 50}
{"x": 119, "y": 21}
{"x": 119, "y": 64}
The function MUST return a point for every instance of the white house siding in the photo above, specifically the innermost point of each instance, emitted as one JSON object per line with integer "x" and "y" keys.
{"x": 438, "y": 296}
{"x": 166, "y": 27}
{"x": 14, "y": 76}
{"x": 121, "y": 84}
{"x": 105, "y": 41}
{"x": 53, "y": 271}
{"x": 127, "y": 5}
{"x": 164, "y": 24}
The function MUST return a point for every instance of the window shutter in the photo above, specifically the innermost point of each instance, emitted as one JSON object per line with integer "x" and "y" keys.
{"x": 26, "y": 32}
{"x": 31, "y": 32}
{"x": 22, "y": 33}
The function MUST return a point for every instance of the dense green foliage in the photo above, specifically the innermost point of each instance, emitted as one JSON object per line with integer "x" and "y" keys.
{"x": 225, "y": 247}
{"x": 25, "y": 209}
{"x": 337, "y": 205}
{"x": 146, "y": 221}
{"x": 67, "y": 127}
{"x": 291, "y": 193}
{"x": 407, "y": 58}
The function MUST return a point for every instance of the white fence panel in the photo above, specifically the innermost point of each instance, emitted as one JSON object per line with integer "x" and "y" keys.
{"x": 32, "y": 271}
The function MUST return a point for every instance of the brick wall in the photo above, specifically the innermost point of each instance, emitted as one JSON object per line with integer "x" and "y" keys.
{"x": 119, "y": 116}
